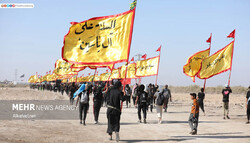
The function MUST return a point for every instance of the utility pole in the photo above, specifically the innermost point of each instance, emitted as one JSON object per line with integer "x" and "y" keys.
{"x": 15, "y": 76}
{"x": 138, "y": 58}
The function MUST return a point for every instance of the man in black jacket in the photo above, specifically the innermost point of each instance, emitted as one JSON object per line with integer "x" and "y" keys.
{"x": 201, "y": 97}
{"x": 114, "y": 98}
{"x": 142, "y": 102}
{"x": 98, "y": 97}
{"x": 225, "y": 92}
{"x": 248, "y": 105}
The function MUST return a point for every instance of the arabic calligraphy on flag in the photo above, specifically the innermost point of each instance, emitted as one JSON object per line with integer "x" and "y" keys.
{"x": 63, "y": 68}
{"x": 148, "y": 67}
{"x": 100, "y": 40}
{"x": 217, "y": 63}
{"x": 194, "y": 63}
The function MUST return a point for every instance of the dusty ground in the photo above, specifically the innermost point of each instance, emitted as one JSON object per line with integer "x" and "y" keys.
{"x": 212, "y": 128}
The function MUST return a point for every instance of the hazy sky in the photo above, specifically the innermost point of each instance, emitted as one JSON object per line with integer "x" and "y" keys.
{"x": 31, "y": 39}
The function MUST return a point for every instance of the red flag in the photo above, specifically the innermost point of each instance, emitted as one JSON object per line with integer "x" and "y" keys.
{"x": 46, "y": 72}
{"x": 82, "y": 74}
{"x": 144, "y": 56}
{"x": 89, "y": 74}
{"x": 209, "y": 39}
{"x": 159, "y": 49}
{"x": 132, "y": 59}
{"x": 107, "y": 71}
{"x": 232, "y": 34}
{"x": 49, "y": 71}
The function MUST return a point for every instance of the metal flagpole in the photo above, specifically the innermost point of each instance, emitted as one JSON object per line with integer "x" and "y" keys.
{"x": 158, "y": 67}
{"x": 205, "y": 81}
{"x": 229, "y": 78}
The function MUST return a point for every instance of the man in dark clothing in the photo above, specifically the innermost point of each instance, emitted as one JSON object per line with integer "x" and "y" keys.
{"x": 150, "y": 92}
{"x": 67, "y": 89}
{"x": 98, "y": 97}
{"x": 135, "y": 93}
{"x": 72, "y": 91}
{"x": 114, "y": 98}
{"x": 225, "y": 92}
{"x": 62, "y": 88}
{"x": 248, "y": 105}
{"x": 128, "y": 92}
{"x": 194, "y": 115}
{"x": 155, "y": 88}
{"x": 83, "y": 104}
{"x": 167, "y": 95}
{"x": 142, "y": 102}
{"x": 201, "y": 97}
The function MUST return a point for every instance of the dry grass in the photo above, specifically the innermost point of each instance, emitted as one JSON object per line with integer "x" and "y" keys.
{"x": 210, "y": 90}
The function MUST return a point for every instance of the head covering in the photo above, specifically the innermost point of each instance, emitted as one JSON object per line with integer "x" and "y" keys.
{"x": 141, "y": 88}
{"x": 118, "y": 84}
{"x": 81, "y": 89}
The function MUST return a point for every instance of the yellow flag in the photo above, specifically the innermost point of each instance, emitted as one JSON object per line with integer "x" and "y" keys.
{"x": 194, "y": 63}
{"x": 33, "y": 79}
{"x": 64, "y": 80}
{"x": 39, "y": 80}
{"x": 217, "y": 63}
{"x": 52, "y": 77}
{"x": 130, "y": 71}
{"x": 100, "y": 40}
{"x": 115, "y": 74}
{"x": 73, "y": 79}
{"x": 45, "y": 77}
{"x": 104, "y": 77}
{"x": 63, "y": 68}
{"x": 148, "y": 67}
{"x": 97, "y": 78}
{"x": 90, "y": 78}
{"x": 76, "y": 67}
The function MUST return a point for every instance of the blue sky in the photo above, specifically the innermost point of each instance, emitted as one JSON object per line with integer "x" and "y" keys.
{"x": 31, "y": 39}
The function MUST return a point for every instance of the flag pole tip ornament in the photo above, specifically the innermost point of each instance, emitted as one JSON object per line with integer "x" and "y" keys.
{"x": 232, "y": 34}
{"x": 209, "y": 39}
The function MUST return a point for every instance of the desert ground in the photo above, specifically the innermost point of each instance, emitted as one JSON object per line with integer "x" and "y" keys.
{"x": 175, "y": 128}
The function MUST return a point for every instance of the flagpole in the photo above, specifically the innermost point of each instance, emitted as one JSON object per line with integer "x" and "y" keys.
{"x": 111, "y": 72}
{"x": 158, "y": 67}
{"x": 129, "y": 46}
{"x": 229, "y": 79}
{"x": 205, "y": 81}
{"x": 129, "y": 52}
{"x": 76, "y": 77}
{"x": 94, "y": 75}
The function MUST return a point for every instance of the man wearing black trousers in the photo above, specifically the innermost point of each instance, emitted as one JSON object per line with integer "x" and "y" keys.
{"x": 142, "y": 102}
{"x": 98, "y": 97}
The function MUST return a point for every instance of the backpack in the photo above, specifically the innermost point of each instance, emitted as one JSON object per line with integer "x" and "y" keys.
{"x": 84, "y": 97}
{"x": 143, "y": 97}
{"x": 160, "y": 99}
{"x": 98, "y": 94}
{"x": 166, "y": 93}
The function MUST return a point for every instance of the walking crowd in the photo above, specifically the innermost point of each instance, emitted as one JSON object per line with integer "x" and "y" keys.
{"x": 112, "y": 95}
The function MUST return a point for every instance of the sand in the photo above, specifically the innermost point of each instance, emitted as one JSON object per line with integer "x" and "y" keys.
{"x": 212, "y": 127}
